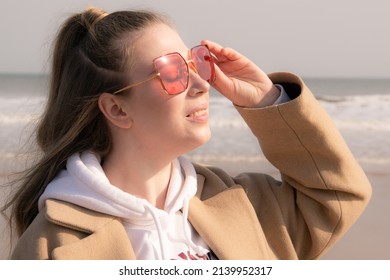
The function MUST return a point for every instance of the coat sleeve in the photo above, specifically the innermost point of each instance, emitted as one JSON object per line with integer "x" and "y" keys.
{"x": 322, "y": 191}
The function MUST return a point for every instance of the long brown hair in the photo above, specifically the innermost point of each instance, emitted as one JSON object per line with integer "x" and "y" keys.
{"x": 91, "y": 55}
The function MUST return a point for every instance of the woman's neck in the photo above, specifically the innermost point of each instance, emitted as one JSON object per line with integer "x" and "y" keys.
{"x": 134, "y": 172}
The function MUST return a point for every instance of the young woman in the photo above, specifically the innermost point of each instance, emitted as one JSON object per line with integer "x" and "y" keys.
{"x": 127, "y": 99}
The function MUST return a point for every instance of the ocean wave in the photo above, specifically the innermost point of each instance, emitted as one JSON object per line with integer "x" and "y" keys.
{"x": 16, "y": 119}
{"x": 363, "y": 125}
{"x": 363, "y": 113}
{"x": 371, "y": 98}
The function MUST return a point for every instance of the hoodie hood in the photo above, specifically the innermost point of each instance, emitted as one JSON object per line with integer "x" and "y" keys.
{"x": 154, "y": 233}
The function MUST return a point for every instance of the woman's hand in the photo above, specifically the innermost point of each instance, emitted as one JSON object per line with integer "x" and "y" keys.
{"x": 240, "y": 80}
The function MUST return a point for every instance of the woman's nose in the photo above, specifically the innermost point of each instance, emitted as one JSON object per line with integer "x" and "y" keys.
{"x": 196, "y": 84}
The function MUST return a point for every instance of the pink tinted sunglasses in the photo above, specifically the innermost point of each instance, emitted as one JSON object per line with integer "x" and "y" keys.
{"x": 173, "y": 70}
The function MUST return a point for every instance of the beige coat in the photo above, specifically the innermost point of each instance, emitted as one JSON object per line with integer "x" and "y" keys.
{"x": 252, "y": 216}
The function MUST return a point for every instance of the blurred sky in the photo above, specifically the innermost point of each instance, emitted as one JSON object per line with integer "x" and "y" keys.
{"x": 313, "y": 38}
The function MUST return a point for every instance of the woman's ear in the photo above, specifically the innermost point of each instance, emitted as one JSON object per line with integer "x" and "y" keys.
{"x": 114, "y": 109}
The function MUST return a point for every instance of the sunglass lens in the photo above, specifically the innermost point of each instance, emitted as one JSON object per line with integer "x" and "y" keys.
{"x": 203, "y": 62}
{"x": 173, "y": 72}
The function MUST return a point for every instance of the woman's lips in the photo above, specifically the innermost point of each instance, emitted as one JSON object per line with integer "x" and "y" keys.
{"x": 199, "y": 114}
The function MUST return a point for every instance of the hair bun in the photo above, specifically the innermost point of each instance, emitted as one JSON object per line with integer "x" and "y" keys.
{"x": 91, "y": 16}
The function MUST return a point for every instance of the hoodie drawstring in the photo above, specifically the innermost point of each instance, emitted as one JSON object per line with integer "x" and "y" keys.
{"x": 159, "y": 231}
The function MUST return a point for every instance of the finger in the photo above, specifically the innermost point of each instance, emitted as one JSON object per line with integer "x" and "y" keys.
{"x": 231, "y": 54}
{"x": 222, "y": 53}
{"x": 215, "y": 49}
{"x": 213, "y": 46}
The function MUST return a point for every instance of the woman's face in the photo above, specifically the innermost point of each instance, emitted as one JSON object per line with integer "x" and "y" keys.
{"x": 166, "y": 123}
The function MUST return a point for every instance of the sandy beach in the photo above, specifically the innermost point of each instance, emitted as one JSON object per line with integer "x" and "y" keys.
{"x": 366, "y": 240}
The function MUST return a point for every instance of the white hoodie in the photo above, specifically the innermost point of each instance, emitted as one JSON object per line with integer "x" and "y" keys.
{"x": 153, "y": 233}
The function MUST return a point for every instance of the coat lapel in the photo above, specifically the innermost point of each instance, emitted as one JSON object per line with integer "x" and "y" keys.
{"x": 227, "y": 222}
{"x": 105, "y": 236}
{"x": 100, "y": 245}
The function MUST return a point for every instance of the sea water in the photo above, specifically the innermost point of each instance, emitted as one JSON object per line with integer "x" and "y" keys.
{"x": 360, "y": 108}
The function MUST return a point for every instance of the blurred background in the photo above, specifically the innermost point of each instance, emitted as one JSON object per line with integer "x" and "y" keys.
{"x": 340, "y": 48}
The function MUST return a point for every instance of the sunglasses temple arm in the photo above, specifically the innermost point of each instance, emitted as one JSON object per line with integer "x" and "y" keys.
{"x": 137, "y": 83}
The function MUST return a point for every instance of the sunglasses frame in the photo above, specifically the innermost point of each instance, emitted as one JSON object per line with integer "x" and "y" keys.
{"x": 157, "y": 74}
